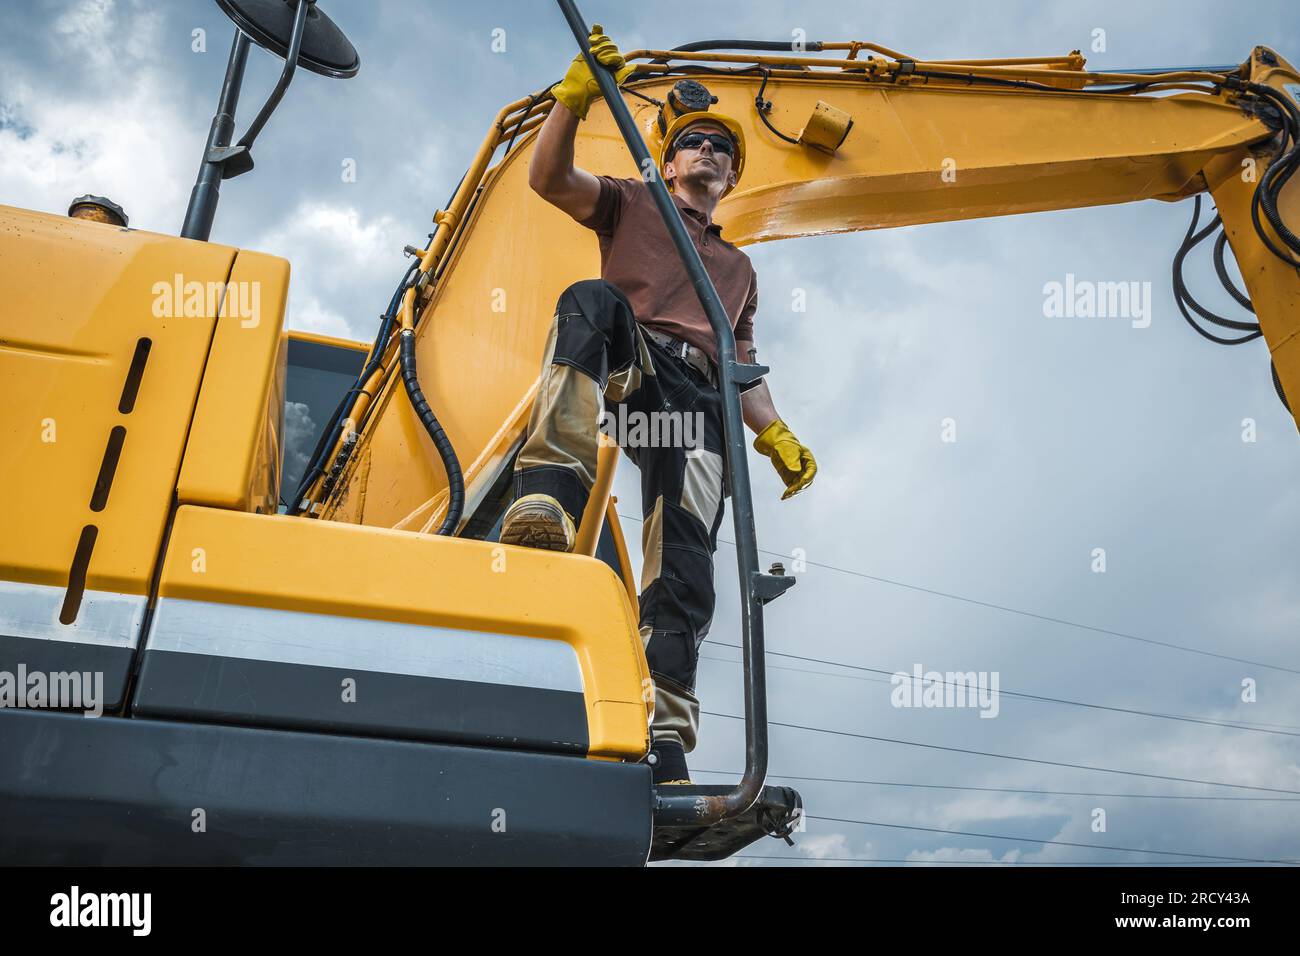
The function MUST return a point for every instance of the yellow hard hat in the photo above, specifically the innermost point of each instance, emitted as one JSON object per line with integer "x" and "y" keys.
{"x": 733, "y": 129}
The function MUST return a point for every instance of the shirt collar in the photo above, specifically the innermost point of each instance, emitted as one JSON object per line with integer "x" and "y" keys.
{"x": 695, "y": 213}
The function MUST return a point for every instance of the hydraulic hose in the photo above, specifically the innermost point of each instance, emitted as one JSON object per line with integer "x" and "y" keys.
{"x": 1270, "y": 185}
{"x": 334, "y": 429}
{"x": 330, "y": 435}
{"x": 1225, "y": 280}
{"x": 1183, "y": 297}
{"x": 455, "y": 480}
{"x": 1277, "y": 385}
{"x": 768, "y": 46}
{"x": 777, "y": 46}
{"x": 765, "y": 106}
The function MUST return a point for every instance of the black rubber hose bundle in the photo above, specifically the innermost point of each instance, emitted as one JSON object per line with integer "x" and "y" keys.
{"x": 330, "y": 436}
{"x": 772, "y": 46}
{"x": 1184, "y": 300}
{"x": 1265, "y": 200}
{"x": 455, "y": 480}
{"x": 1270, "y": 185}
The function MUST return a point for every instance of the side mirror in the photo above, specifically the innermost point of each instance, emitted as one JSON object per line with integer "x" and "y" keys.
{"x": 272, "y": 25}
{"x": 300, "y": 33}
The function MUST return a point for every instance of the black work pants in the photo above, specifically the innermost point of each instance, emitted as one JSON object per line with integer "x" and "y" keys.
{"x": 602, "y": 373}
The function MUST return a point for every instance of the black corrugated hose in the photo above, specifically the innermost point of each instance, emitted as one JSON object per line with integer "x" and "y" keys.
{"x": 330, "y": 436}
{"x": 455, "y": 480}
{"x": 316, "y": 464}
{"x": 1270, "y": 185}
{"x": 1184, "y": 300}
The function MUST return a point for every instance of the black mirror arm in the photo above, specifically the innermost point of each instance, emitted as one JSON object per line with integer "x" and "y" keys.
{"x": 286, "y": 76}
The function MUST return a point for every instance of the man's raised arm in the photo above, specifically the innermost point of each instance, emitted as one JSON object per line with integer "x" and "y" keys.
{"x": 551, "y": 172}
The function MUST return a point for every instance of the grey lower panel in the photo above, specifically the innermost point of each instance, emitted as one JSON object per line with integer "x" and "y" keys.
{"x": 101, "y": 640}
{"x": 300, "y": 696}
{"x": 55, "y": 657}
{"x": 114, "y": 791}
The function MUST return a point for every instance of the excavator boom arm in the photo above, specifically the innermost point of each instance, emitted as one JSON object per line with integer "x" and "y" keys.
{"x": 928, "y": 142}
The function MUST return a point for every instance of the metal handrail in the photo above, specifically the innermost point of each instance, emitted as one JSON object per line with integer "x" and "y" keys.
{"x": 755, "y": 587}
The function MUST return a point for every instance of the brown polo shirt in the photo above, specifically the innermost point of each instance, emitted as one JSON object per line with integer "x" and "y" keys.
{"x": 637, "y": 255}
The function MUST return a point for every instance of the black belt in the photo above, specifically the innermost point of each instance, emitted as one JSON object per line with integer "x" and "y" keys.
{"x": 693, "y": 356}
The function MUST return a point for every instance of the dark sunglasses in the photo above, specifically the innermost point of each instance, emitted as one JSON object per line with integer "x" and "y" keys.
{"x": 720, "y": 143}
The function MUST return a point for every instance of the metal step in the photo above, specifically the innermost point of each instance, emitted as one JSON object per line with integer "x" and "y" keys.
{"x": 775, "y": 813}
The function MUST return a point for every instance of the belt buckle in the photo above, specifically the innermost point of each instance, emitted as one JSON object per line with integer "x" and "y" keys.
{"x": 673, "y": 346}
{"x": 679, "y": 349}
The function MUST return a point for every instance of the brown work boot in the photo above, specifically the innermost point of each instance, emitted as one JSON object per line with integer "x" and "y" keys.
{"x": 539, "y": 521}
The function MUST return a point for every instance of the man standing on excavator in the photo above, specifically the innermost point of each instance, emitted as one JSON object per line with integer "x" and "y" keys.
{"x": 638, "y": 340}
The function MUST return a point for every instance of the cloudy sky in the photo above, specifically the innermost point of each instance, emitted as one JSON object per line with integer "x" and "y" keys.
{"x": 1072, "y": 434}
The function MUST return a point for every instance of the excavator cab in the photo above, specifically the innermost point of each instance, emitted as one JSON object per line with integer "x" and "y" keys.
{"x": 319, "y": 370}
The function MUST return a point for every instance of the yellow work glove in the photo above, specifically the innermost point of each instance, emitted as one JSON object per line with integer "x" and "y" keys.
{"x": 579, "y": 87}
{"x": 794, "y": 462}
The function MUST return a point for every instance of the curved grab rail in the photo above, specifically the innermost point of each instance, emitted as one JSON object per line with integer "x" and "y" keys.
{"x": 756, "y": 588}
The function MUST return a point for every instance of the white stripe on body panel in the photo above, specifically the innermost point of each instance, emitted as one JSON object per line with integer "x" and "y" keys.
{"x": 105, "y": 618}
{"x": 326, "y": 640}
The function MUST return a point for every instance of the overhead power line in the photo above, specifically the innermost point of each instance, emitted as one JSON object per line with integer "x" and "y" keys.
{"x": 870, "y": 859}
{"x": 998, "y": 756}
{"x": 1047, "y": 793}
{"x": 1009, "y": 693}
{"x": 1015, "y": 610}
{"x": 1020, "y": 839}
{"x": 1238, "y": 724}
